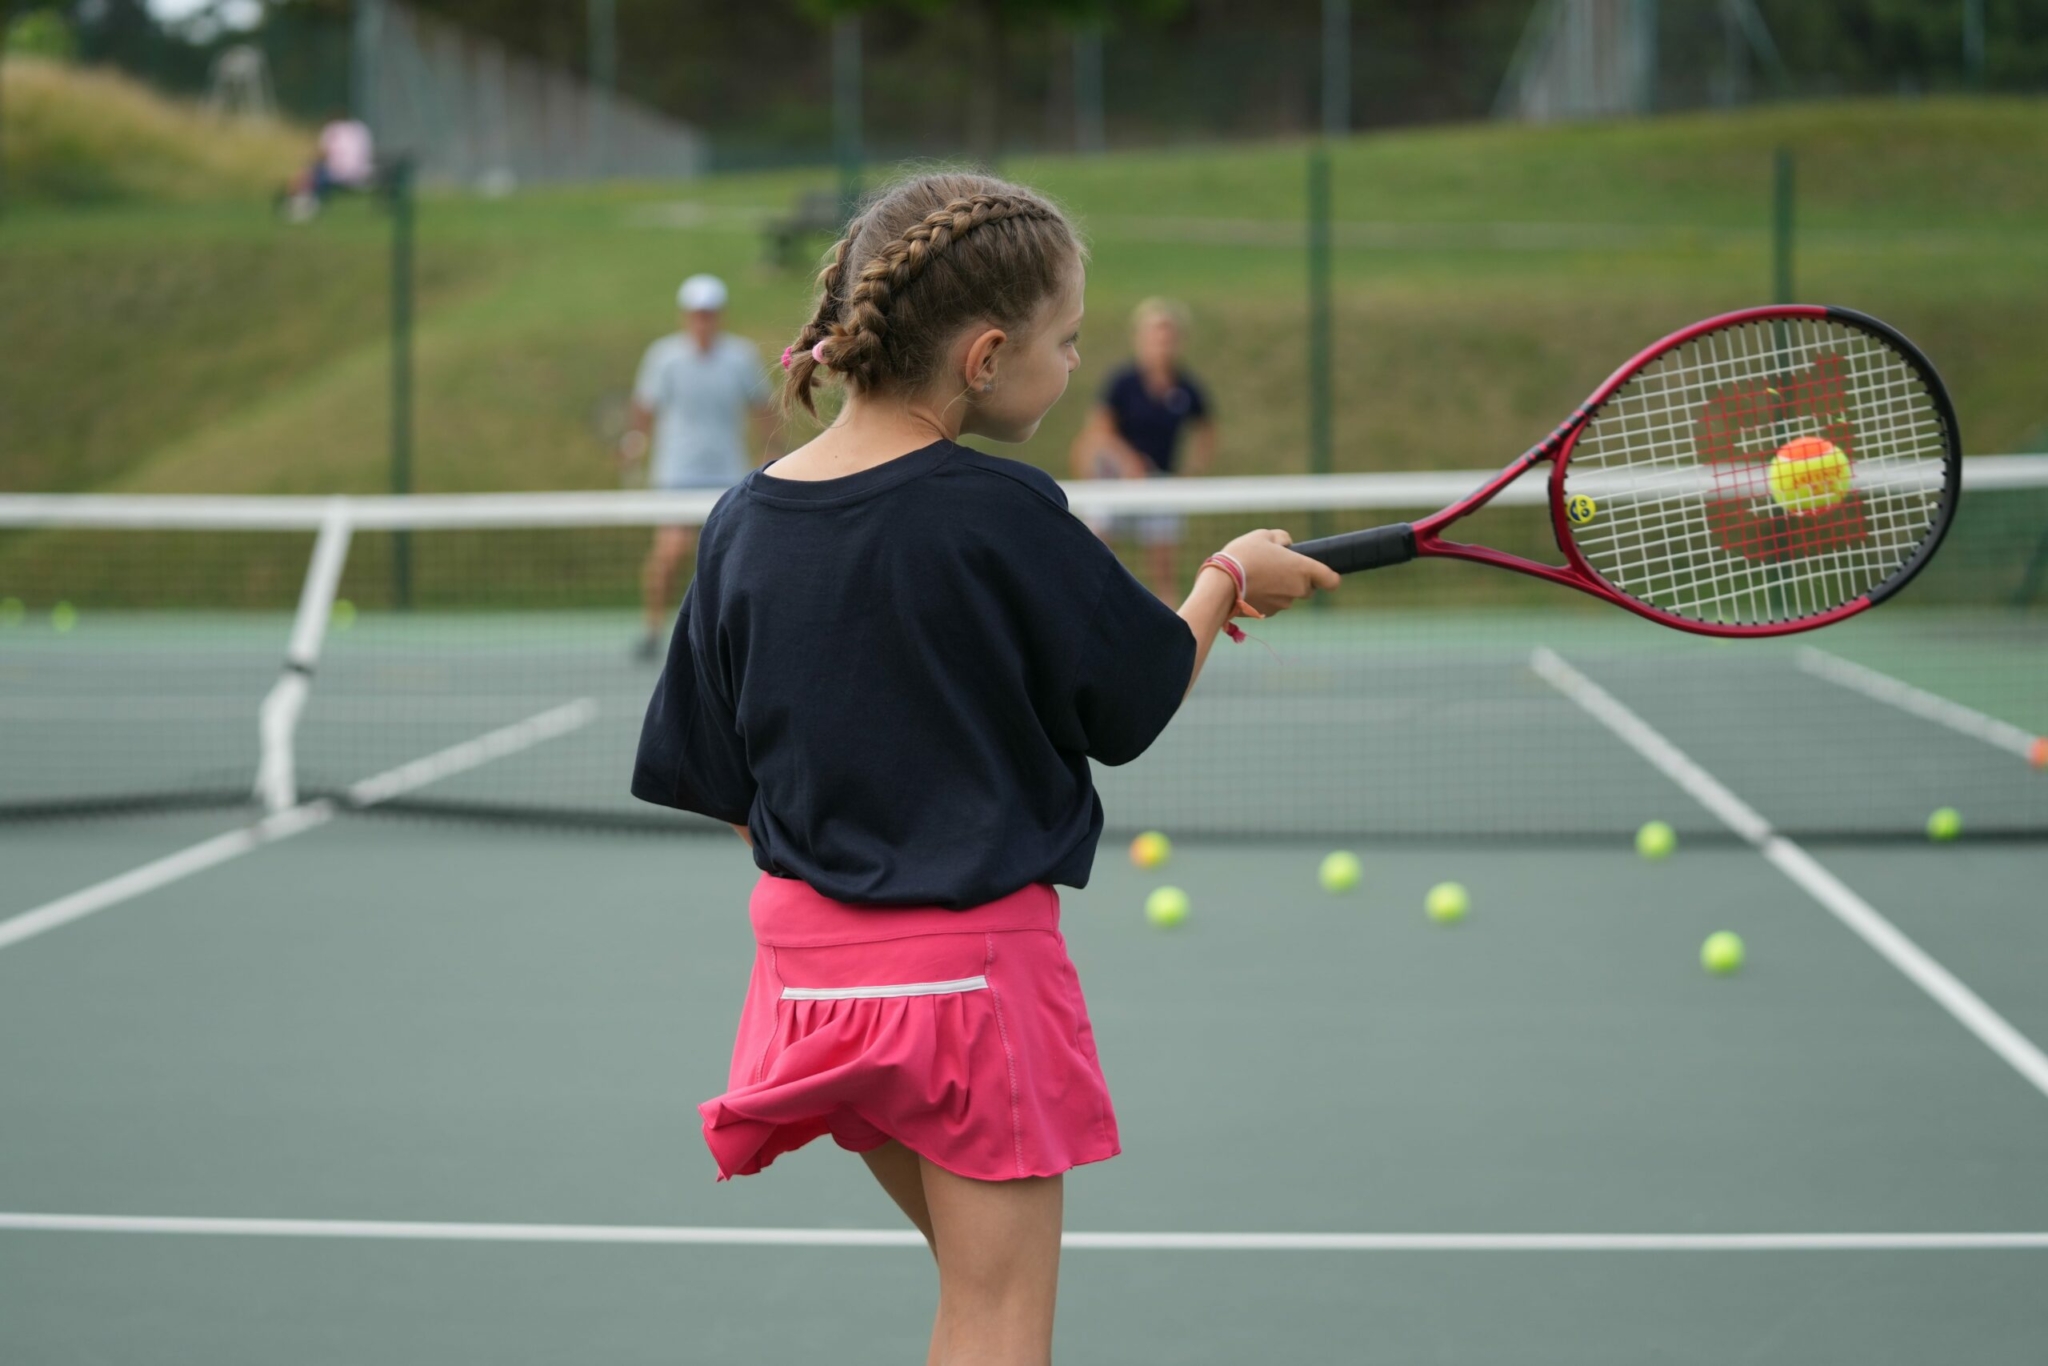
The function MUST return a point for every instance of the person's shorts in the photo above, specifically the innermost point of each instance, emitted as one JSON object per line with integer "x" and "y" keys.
{"x": 1146, "y": 528}
{"x": 960, "y": 1034}
{"x": 689, "y": 480}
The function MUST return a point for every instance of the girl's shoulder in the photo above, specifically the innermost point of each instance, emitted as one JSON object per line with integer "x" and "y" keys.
{"x": 994, "y": 479}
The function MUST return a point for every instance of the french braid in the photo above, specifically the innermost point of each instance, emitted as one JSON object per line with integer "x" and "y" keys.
{"x": 927, "y": 258}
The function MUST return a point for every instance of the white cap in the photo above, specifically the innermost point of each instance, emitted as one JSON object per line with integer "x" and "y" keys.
{"x": 701, "y": 293}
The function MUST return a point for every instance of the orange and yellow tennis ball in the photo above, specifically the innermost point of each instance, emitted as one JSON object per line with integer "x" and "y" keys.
{"x": 1151, "y": 850}
{"x": 1809, "y": 475}
{"x": 2037, "y": 753}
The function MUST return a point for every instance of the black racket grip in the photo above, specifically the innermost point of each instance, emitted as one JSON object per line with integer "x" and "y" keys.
{"x": 1355, "y": 551}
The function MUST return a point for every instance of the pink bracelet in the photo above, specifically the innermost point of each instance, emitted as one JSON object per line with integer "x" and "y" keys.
{"x": 1229, "y": 565}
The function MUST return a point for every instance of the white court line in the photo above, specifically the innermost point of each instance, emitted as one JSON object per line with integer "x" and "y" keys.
{"x": 1926, "y": 705}
{"x": 168, "y": 869}
{"x": 646, "y": 1234}
{"x": 296, "y": 820}
{"x": 1795, "y": 863}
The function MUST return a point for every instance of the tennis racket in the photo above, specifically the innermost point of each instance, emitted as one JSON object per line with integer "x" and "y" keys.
{"x": 1759, "y": 473}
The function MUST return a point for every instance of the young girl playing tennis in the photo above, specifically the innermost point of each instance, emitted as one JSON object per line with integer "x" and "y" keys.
{"x": 894, "y": 665}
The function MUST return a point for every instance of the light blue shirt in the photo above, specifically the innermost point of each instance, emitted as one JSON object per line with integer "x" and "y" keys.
{"x": 700, "y": 400}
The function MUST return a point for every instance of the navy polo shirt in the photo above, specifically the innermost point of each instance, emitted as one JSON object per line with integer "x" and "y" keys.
{"x": 1151, "y": 423}
{"x": 896, "y": 680}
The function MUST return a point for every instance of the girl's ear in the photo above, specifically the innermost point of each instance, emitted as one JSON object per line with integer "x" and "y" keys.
{"x": 978, "y": 363}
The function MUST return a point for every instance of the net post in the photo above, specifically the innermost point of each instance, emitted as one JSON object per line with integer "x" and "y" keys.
{"x": 1781, "y": 225}
{"x": 1319, "y": 379}
{"x": 277, "y": 722}
{"x": 401, "y": 368}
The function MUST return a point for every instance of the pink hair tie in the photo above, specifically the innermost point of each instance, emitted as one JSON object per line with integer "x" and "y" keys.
{"x": 787, "y": 352}
{"x": 818, "y": 351}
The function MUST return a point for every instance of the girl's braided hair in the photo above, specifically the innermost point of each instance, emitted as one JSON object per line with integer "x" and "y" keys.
{"x": 921, "y": 261}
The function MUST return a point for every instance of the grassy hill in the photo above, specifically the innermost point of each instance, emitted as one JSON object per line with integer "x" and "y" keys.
{"x": 1486, "y": 277}
{"x": 82, "y": 137}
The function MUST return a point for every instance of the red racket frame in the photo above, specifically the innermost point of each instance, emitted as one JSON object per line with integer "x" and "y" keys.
{"x": 1557, "y": 448}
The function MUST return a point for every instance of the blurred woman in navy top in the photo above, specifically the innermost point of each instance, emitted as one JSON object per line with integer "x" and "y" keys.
{"x": 890, "y": 674}
{"x": 1134, "y": 432}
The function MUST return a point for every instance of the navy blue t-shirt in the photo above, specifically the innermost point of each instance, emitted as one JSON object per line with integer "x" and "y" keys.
{"x": 1152, "y": 424}
{"x": 896, "y": 680}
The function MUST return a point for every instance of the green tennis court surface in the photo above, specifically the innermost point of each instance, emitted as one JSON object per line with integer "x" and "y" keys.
{"x": 400, "y": 1063}
{"x": 440, "y": 1022}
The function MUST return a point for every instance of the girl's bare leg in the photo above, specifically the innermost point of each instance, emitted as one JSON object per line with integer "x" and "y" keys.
{"x": 896, "y": 1167}
{"x": 998, "y": 1248}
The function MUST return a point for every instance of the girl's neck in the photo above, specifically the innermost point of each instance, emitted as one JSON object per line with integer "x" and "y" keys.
{"x": 867, "y": 433}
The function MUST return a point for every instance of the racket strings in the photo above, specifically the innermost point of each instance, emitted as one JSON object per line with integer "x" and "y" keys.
{"x": 1678, "y": 466}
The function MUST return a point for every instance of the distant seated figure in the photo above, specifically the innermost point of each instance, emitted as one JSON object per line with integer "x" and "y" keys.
{"x": 345, "y": 162}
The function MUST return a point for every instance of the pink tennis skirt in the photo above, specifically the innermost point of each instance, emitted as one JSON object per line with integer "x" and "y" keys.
{"x": 960, "y": 1034}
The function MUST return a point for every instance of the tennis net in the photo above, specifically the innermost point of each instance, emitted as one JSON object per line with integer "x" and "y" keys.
{"x": 474, "y": 656}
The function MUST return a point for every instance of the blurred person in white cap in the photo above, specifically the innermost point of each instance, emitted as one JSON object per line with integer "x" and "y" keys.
{"x": 691, "y": 401}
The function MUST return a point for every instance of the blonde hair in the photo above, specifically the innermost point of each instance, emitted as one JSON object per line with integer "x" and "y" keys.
{"x": 1157, "y": 309}
{"x": 922, "y": 260}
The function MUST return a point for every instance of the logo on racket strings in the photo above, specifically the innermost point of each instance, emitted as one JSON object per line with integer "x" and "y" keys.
{"x": 1580, "y": 509}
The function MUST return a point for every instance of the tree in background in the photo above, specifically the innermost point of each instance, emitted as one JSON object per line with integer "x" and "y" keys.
{"x": 40, "y": 33}
{"x": 995, "y": 77}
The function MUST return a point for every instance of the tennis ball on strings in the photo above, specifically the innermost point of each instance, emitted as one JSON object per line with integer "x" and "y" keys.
{"x": 1151, "y": 850}
{"x": 1809, "y": 475}
{"x": 1722, "y": 953}
{"x": 342, "y": 615}
{"x": 1447, "y": 903}
{"x": 63, "y": 617}
{"x": 1945, "y": 824}
{"x": 1340, "y": 871}
{"x": 1656, "y": 840}
{"x": 1166, "y": 907}
{"x": 12, "y": 611}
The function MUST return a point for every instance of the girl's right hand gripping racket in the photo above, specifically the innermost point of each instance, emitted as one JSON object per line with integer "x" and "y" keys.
{"x": 1758, "y": 473}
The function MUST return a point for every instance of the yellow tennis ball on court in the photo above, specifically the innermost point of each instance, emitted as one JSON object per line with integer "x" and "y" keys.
{"x": 1340, "y": 871}
{"x": 1151, "y": 850}
{"x": 1656, "y": 840}
{"x": 63, "y": 617}
{"x": 1945, "y": 824}
{"x": 1447, "y": 903}
{"x": 1722, "y": 953}
{"x": 1166, "y": 907}
{"x": 1809, "y": 475}
{"x": 342, "y": 615}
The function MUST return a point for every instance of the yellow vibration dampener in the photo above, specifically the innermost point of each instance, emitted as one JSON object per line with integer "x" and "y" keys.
{"x": 1580, "y": 509}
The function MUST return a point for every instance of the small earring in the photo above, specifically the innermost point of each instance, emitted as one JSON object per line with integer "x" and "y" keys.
{"x": 988, "y": 388}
